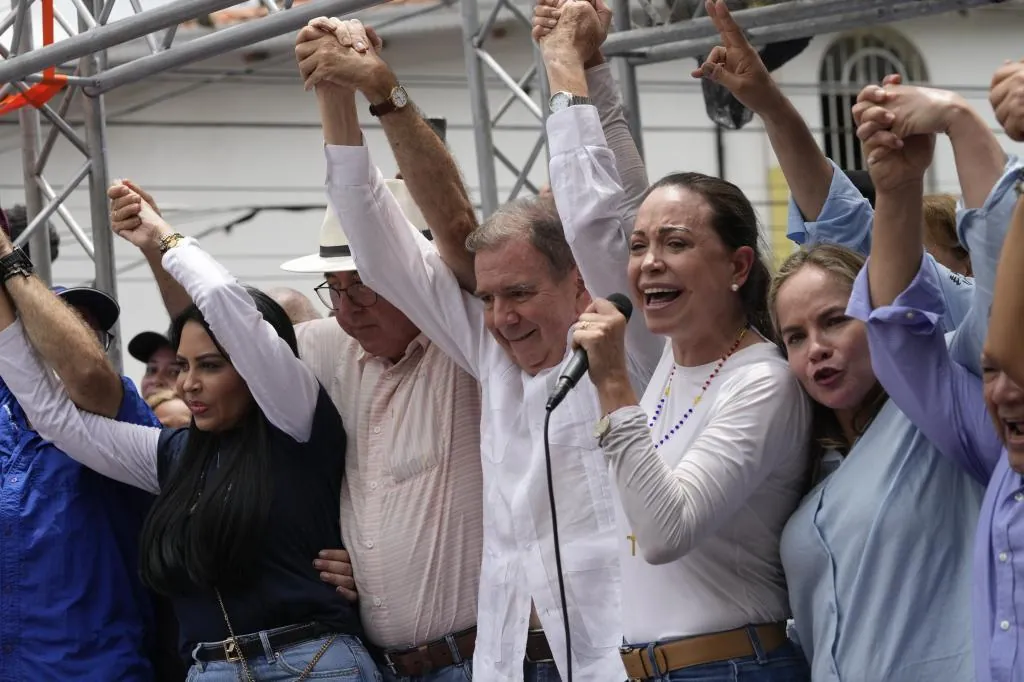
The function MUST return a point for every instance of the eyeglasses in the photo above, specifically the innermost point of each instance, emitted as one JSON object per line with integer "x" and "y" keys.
{"x": 105, "y": 338}
{"x": 359, "y": 294}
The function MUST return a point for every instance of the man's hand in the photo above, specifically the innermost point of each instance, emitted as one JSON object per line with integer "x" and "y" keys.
{"x": 135, "y": 220}
{"x": 1007, "y": 98}
{"x": 336, "y": 569}
{"x": 547, "y": 12}
{"x": 737, "y": 65}
{"x": 577, "y": 33}
{"x": 130, "y": 186}
{"x": 892, "y": 164}
{"x": 348, "y": 58}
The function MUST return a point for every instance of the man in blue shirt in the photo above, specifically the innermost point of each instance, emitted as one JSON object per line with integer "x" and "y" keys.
{"x": 71, "y": 603}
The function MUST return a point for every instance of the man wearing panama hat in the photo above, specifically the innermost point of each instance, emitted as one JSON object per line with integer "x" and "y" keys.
{"x": 412, "y": 466}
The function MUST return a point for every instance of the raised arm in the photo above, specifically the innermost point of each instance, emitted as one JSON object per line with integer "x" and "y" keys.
{"x": 65, "y": 341}
{"x": 392, "y": 256}
{"x": 174, "y": 296}
{"x": 426, "y": 165}
{"x": 911, "y": 360}
{"x": 119, "y": 450}
{"x": 737, "y": 65}
{"x": 284, "y": 388}
{"x": 590, "y": 199}
{"x": 605, "y": 95}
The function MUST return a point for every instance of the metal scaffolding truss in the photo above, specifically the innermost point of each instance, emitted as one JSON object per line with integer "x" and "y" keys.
{"x": 83, "y": 56}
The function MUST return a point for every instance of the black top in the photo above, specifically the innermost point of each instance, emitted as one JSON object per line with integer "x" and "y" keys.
{"x": 304, "y": 519}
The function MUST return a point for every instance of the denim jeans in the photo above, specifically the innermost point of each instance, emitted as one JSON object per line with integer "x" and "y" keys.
{"x": 345, "y": 659}
{"x": 541, "y": 672}
{"x": 784, "y": 664}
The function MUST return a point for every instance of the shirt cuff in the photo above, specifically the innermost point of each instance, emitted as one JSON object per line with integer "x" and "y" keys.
{"x": 347, "y": 166}
{"x": 601, "y": 83}
{"x": 920, "y": 305}
{"x": 573, "y": 128}
{"x": 841, "y": 188}
{"x": 967, "y": 217}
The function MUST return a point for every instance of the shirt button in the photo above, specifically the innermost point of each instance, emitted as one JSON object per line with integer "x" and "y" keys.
{"x": 1005, "y": 625}
{"x": 377, "y": 601}
{"x": 387, "y": 375}
{"x": 376, "y": 429}
{"x": 373, "y": 486}
{"x": 1019, "y": 497}
{"x": 14, "y": 479}
{"x": 529, "y": 546}
{"x": 1003, "y": 557}
{"x": 369, "y": 544}
{"x": 910, "y": 316}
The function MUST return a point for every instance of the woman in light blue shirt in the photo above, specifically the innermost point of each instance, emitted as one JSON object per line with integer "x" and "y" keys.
{"x": 877, "y": 555}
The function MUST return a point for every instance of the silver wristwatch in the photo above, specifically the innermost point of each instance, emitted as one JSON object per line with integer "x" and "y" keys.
{"x": 563, "y": 100}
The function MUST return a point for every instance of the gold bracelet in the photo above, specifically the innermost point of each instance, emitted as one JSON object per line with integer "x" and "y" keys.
{"x": 170, "y": 241}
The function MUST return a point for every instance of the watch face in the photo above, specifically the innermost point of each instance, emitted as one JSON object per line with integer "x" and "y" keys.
{"x": 399, "y": 97}
{"x": 560, "y": 101}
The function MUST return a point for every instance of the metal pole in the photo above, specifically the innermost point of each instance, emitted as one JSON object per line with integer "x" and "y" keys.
{"x": 224, "y": 41}
{"x": 94, "y": 115}
{"x": 39, "y": 240}
{"x": 488, "y": 183}
{"x": 627, "y": 76}
{"x": 898, "y": 11}
{"x": 93, "y": 40}
{"x": 786, "y": 12}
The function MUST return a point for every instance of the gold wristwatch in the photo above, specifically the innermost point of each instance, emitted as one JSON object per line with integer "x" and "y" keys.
{"x": 170, "y": 241}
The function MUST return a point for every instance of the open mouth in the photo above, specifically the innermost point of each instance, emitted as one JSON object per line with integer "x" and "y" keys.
{"x": 827, "y": 376}
{"x": 521, "y": 338}
{"x": 659, "y": 297}
{"x": 1014, "y": 428}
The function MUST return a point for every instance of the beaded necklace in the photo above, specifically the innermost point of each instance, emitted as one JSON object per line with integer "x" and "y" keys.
{"x": 696, "y": 401}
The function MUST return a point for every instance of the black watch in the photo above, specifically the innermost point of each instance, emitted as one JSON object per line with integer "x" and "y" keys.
{"x": 15, "y": 263}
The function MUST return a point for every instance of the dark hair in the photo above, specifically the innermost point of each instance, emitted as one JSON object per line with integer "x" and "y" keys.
{"x": 735, "y": 222}
{"x": 534, "y": 218}
{"x": 208, "y": 523}
{"x": 17, "y": 221}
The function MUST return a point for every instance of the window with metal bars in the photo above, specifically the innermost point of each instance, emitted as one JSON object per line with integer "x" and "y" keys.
{"x": 854, "y": 60}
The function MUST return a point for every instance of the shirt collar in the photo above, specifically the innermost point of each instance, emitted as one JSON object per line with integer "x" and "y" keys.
{"x": 421, "y": 341}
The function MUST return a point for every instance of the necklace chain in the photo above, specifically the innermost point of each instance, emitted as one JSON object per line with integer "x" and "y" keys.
{"x": 696, "y": 401}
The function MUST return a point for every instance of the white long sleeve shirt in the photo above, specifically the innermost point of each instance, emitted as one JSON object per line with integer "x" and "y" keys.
{"x": 518, "y": 558}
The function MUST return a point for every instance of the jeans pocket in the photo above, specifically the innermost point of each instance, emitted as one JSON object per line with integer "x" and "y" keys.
{"x": 343, "y": 658}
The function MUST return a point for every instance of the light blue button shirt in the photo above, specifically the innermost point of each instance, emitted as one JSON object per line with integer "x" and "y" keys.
{"x": 878, "y": 562}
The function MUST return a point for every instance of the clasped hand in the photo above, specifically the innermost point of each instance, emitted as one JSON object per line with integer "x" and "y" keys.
{"x": 134, "y": 216}
{"x": 342, "y": 53}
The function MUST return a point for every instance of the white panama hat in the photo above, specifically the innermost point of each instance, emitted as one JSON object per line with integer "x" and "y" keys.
{"x": 334, "y": 254}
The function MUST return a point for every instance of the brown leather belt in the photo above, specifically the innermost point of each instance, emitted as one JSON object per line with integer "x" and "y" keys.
{"x": 427, "y": 658}
{"x": 713, "y": 648}
{"x": 537, "y": 648}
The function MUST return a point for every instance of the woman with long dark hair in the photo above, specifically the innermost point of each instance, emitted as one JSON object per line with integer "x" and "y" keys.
{"x": 247, "y": 494}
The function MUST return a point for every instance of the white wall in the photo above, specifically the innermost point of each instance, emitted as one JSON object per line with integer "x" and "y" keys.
{"x": 212, "y": 152}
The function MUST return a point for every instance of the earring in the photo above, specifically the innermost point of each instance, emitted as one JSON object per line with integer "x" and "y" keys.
{"x": 734, "y": 286}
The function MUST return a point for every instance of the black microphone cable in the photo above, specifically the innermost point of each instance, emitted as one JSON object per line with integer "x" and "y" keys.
{"x": 558, "y": 551}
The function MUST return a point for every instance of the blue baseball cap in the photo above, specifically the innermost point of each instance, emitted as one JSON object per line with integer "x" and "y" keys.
{"x": 100, "y": 305}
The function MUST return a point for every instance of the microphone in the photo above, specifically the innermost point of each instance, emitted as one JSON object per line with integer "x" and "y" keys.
{"x": 578, "y": 365}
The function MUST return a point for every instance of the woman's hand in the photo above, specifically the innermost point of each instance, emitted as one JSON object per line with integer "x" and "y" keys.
{"x": 1007, "y": 98}
{"x": 132, "y": 218}
{"x": 601, "y": 331}
{"x": 893, "y": 161}
{"x": 336, "y": 569}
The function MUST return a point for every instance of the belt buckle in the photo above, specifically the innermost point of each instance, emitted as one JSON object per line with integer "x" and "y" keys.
{"x": 231, "y": 652}
{"x": 390, "y": 664}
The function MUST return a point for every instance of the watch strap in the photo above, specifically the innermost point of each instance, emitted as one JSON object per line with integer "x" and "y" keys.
{"x": 170, "y": 241}
{"x": 577, "y": 100}
{"x": 15, "y": 263}
{"x": 389, "y": 104}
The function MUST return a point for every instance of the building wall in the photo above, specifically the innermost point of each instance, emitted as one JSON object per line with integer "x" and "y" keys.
{"x": 211, "y": 153}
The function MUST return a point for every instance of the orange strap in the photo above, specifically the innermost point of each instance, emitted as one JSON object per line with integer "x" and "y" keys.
{"x": 52, "y": 83}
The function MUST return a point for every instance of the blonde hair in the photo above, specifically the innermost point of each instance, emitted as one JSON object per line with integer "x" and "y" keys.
{"x": 842, "y": 265}
{"x": 940, "y": 222}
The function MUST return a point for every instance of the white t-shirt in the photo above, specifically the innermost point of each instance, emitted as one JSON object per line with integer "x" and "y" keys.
{"x": 701, "y": 516}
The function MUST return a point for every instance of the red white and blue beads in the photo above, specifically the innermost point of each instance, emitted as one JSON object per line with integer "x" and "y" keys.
{"x": 696, "y": 401}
